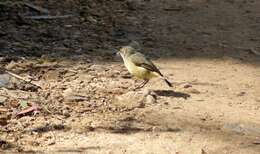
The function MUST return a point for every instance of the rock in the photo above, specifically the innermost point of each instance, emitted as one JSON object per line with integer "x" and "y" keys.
{"x": 129, "y": 100}
{"x": 147, "y": 92}
{"x": 242, "y": 93}
{"x": 75, "y": 98}
{"x": 52, "y": 75}
{"x": 187, "y": 86}
{"x": 239, "y": 128}
{"x": 66, "y": 113}
{"x": 193, "y": 91}
{"x": 133, "y": 99}
{"x": 3, "y": 99}
{"x": 4, "y": 80}
{"x": 71, "y": 95}
{"x": 3, "y": 119}
{"x": 150, "y": 99}
{"x": 257, "y": 142}
{"x": 4, "y": 144}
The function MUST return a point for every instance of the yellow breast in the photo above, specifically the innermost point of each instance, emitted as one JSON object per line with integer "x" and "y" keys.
{"x": 139, "y": 72}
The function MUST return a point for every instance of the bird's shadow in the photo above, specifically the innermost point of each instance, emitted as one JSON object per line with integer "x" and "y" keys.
{"x": 171, "y": 93}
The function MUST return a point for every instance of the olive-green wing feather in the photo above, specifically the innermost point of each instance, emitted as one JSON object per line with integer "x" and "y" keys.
{"x": 140, "y": 60}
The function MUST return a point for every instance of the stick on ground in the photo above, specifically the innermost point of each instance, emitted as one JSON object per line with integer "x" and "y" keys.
{"x": 21, "y": 78}
{"x": 36, "y": 8}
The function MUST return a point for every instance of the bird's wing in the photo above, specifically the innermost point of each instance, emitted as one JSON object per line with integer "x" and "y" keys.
{"x": 140, "y": 60}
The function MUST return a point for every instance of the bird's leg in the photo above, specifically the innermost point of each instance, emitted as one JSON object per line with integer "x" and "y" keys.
{"x": 142, "y": 84}
{"x": 134, "y": 87}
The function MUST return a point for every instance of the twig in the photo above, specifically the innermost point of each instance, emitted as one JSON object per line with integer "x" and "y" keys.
{"x": 21, "y": 78}
{"x": 37, "y": 8}
{"x": 32, "y": 108}
{"x": 47, "y": 17}
{"x": 255, "y": 52}
{"x": 3, "y": 109}
{"x": 17, "y": 76}
{"x": 173, "y": 9}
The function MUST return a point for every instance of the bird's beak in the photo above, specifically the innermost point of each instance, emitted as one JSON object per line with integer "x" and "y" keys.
{"x": 116, "y": 53}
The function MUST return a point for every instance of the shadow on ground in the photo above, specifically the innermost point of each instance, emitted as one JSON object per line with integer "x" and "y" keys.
{"x": 171, "y": 93}
{"x": 77, "y": 150}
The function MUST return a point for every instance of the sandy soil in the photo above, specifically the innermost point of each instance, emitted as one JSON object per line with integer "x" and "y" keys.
{"x": 87, "y": 105}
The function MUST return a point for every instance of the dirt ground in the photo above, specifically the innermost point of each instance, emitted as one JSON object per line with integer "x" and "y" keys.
{"x": 208, "y": 49}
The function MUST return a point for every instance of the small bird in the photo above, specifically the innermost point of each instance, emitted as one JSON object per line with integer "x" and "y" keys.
{"x": 138, "y": 65}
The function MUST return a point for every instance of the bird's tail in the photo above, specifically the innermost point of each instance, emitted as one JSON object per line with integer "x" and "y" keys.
{"x": 168, "y": 82}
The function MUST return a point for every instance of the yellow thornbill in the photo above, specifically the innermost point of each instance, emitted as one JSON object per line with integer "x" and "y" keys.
{"x": 138, "y": 65}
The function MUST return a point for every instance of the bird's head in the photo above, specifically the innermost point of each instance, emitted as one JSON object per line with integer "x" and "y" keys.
{"x": 126, "y": 51}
